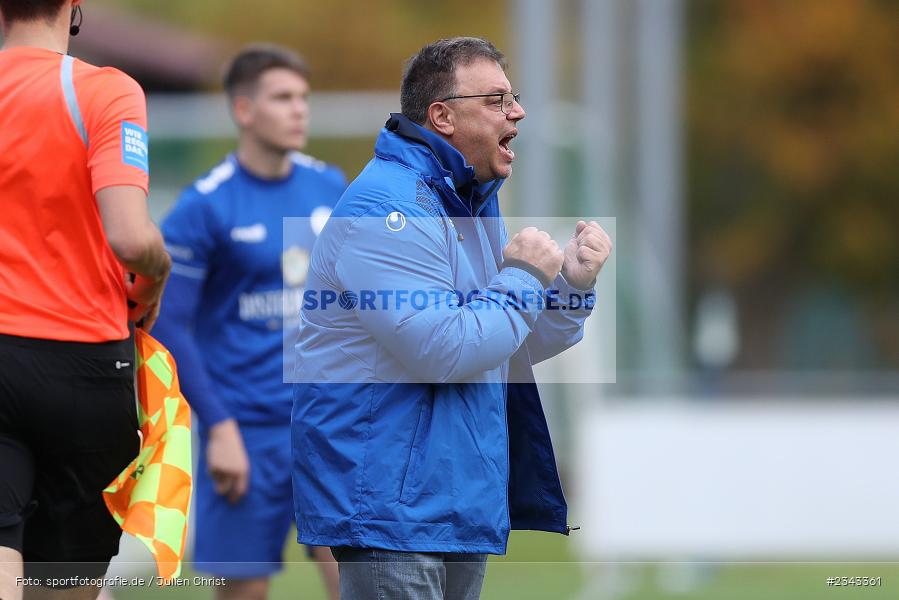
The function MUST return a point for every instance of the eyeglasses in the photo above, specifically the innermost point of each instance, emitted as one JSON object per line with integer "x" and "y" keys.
{"x": 505, "y": 100}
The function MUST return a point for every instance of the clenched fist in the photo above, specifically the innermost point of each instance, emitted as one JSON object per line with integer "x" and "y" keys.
{"x": 585, "y": 254}
{"x": 537, "y": 249}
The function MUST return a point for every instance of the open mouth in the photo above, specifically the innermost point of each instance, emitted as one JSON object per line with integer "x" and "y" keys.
{"x": 504, "y": 146}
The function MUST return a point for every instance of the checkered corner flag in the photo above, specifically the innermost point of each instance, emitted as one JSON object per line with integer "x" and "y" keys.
{"x": 151, "y": 497}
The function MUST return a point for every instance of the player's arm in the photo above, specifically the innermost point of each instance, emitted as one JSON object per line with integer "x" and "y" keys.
{"x": 115, "y": 120}
{"x": 226, "y": 457}
{"x": 138, "y": 245}
{"x": 191, "y": 232}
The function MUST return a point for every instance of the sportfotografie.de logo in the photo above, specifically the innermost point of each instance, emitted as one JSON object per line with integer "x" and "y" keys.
{"x": 386, "y": 299}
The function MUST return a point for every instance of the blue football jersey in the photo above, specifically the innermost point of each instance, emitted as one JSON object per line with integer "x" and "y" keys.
{"x": 226, "y": 232}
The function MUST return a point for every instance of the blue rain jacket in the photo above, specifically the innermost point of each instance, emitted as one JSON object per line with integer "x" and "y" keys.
{"x": 422, "y": 430}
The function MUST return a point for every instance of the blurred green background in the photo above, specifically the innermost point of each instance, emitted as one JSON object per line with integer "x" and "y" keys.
{"x": 788, "y": 114}
{"x": 541, "y": 566}
{"x": 748, "y": 149}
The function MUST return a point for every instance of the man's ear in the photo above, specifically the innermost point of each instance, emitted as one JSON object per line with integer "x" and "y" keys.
{"x": 441, "y": 118}
{"x": 242, "y": 108}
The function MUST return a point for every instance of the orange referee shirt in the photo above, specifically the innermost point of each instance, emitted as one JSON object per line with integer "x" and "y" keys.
{"x": 67, "y": 130}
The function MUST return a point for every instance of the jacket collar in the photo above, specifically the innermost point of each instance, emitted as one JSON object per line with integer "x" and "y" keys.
{"x": 432, "y": 155}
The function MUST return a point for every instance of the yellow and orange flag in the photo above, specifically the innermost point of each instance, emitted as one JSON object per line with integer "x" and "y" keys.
{"x": 150, "y": 498}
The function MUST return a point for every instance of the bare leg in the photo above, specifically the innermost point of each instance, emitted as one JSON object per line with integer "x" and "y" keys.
{"x": 105, "y": 594}
{"x": 10, "y": 568}
{"x": 243, "y": 589}
{"x": 327, "y": 566}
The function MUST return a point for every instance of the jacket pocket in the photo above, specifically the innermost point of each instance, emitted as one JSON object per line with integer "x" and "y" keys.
{"x": 411, "y": 478}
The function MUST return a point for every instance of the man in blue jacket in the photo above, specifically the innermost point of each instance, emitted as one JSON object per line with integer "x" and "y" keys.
{"x": 418, "y": 436}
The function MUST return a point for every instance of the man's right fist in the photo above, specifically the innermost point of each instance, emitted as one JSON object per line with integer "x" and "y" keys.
{"x": 538, "y": 249}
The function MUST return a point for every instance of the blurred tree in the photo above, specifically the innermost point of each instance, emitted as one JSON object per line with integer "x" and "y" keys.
{"x": 350, "y": 44}
{"x": 793, "y": 110}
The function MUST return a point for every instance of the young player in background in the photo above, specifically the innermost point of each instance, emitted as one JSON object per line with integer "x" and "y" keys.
{"x": 234, "y": 295}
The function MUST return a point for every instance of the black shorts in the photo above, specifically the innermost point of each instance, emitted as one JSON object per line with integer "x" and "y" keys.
{"x": 68, "y": 427}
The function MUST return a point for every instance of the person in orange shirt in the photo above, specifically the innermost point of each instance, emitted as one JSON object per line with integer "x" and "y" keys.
{"x": 77, "y": 248}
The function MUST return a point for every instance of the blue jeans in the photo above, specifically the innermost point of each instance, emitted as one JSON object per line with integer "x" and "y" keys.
{"x": 372, "y": 574}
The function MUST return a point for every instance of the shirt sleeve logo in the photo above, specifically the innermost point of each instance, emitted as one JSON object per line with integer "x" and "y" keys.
{"x": 134, "y": 146}
{"x": 396, "y": 221}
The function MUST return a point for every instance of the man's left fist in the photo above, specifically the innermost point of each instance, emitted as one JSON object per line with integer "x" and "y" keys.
{"x": 585, "y": 254}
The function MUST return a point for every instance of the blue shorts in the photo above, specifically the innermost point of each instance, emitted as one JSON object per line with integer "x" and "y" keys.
{"x": 246, "y": 540}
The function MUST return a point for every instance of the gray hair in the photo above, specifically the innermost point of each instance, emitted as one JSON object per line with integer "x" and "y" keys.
{"x": 431, "y": 74}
